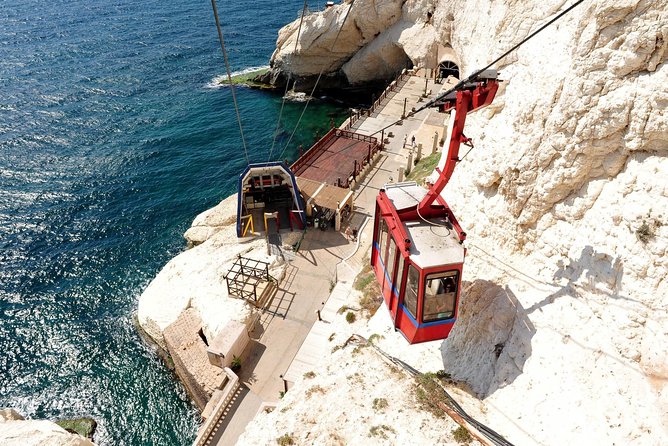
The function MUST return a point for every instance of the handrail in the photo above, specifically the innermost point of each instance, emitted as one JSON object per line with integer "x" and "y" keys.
{"x": 356, "y": 116}
{"x": 230, "y": 389}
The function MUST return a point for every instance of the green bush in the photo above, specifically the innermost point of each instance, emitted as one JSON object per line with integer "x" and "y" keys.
{"x": 461, "y": 435}
{"x": 351, "y": 317}
{"x": 285, "y": 440}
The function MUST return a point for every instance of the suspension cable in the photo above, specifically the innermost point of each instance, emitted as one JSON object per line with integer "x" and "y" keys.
{"x": 229, "y": 78}
{"x": 287, "y": 84}
{"x": 308, "y": 100}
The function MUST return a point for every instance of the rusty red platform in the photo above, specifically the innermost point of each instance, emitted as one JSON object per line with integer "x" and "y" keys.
{"x": 337, "y": 158}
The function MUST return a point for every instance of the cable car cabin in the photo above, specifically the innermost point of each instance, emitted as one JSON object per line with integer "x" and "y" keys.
{"x": 418, "y": 264}
{"x": 418, "y": 252}
{"x": 268, "y": 189}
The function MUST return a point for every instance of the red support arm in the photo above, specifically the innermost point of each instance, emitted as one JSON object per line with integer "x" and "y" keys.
{"x": 465, "y": 102}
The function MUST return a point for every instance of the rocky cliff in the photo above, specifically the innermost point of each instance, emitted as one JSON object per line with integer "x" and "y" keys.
{"x": 563, "y": 331}
{"x": 17, "y": 431}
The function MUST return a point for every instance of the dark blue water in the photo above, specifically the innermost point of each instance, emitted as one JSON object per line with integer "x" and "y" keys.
{"x": 111, "y": 141}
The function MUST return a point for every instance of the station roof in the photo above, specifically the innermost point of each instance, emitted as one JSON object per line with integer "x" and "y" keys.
{"x": 323, "y": 195}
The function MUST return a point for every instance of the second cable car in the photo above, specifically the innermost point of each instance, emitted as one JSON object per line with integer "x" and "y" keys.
{"x": 418, "y": 252}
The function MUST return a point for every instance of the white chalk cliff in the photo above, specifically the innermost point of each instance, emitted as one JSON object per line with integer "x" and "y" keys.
{"x": 17, "y": 431}
{"x": 196, "y": 277}
{"x": 563, "y": 333}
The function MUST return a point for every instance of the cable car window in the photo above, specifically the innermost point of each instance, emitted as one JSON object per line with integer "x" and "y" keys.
{"x": 391, "y": 251}
{"x": 382, "y": 228}
{"x": 440, "y": 296}
{"x": 400, "y": 273}
{"x": 412, "y": 284}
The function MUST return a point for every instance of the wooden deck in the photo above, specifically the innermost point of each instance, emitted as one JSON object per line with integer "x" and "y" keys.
{"x": 337, "y": 158}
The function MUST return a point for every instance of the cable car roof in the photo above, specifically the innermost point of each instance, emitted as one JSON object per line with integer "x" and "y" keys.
{"x": 432, "y": 244}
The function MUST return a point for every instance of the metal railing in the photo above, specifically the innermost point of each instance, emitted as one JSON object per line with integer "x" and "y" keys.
{"x": 357, "y": 115}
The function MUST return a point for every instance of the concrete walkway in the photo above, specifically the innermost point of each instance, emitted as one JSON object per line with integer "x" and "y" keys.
{"x": 288, "y": 341}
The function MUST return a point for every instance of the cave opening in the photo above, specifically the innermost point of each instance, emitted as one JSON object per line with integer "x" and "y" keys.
{"x": 448, "y": 68}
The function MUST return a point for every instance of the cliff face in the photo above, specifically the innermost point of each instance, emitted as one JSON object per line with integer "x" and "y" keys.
{"x": 16, "y": 431}
{"x": 565, "y": 199}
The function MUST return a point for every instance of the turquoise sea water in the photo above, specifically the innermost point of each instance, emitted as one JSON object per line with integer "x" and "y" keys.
{"x": 111, "y": 140}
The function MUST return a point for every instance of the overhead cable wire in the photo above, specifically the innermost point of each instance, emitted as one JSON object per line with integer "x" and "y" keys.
{"x": 287, "y": 84}
{"x": 308, "y": 100}
{"x": 229, "y": 78}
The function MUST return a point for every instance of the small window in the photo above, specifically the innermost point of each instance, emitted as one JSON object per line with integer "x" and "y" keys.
{"x": 400, "y": 274}
{"x": 440, "y": 296}
{"x": 412, "y": 284}
{"x": 391, "y": 251}
{"x": 381, "y": 241}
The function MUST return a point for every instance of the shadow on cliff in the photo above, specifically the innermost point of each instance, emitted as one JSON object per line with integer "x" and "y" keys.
{"x": 593, "y": 272}
{"x": 490, "y": 343}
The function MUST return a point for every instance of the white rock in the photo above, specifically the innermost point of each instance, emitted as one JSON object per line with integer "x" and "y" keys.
{"x": 212, "y": 221}
{"x": 196, "y": 278}
{"x": 16, "y": 431}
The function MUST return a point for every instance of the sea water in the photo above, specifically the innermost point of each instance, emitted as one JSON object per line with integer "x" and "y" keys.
{"x": 113, "y": 137}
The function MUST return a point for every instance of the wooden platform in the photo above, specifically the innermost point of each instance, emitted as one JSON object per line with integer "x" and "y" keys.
{"x": 337, "y": 158}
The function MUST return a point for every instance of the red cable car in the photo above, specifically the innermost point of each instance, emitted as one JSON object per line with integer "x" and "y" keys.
{"x": 418, "y": 251}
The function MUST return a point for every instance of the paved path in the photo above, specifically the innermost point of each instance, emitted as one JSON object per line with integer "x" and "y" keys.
{"x": 285, "y": 335}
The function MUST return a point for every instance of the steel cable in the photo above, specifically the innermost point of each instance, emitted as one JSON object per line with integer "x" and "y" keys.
{"x": 229, "y": 78}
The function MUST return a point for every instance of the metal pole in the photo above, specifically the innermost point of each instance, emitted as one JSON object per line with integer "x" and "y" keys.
{"x": 403, "y": 115}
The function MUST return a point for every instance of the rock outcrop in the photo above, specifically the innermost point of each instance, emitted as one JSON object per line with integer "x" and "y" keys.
{"x": 17, "y": 431}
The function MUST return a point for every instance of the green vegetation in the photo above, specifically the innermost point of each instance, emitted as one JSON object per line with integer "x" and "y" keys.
{"x": 645, "y": 232}
{"x": 82, "y": 426}
{"x": 285, "y": 440}
{"x": 350, "y": 317}
{"x": 461, "y": 435}
{"x": 246, "y": 79}
{"x": 423, "y": 168}
{"x": 372, "y": 339}
{"x": 379, "y": 404}
{"x": 367, "y": 284}
{"x": 236, "y": 363}
{"x": 429, "y": 394}
{"x": 381, "y": 431}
